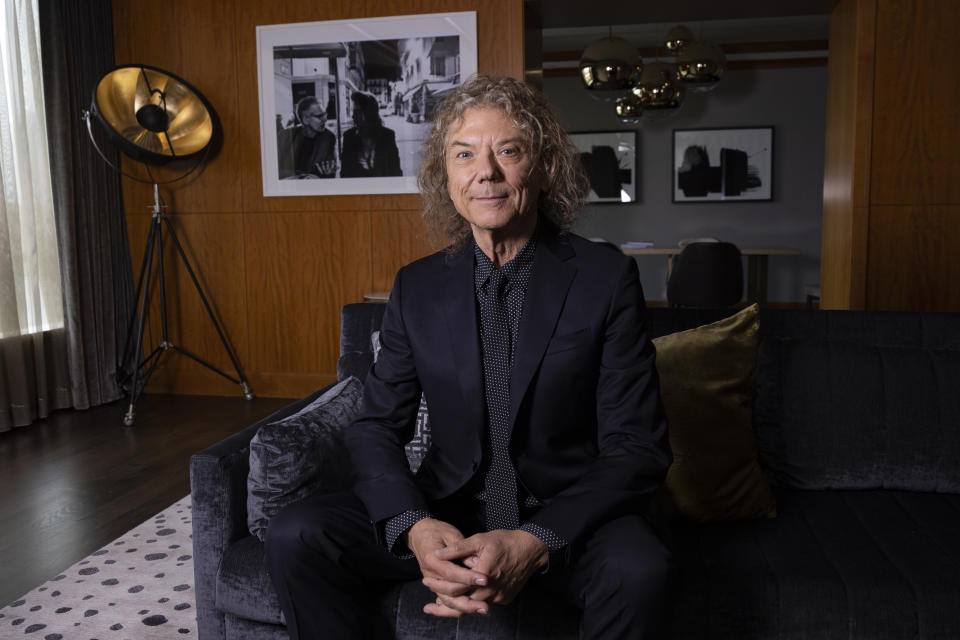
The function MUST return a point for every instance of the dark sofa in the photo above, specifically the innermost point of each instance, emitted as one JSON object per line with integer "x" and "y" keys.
{"x": 857, "y": 420}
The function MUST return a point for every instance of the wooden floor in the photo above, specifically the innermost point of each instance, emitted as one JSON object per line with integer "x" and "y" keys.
{"x": 79, "y": 479}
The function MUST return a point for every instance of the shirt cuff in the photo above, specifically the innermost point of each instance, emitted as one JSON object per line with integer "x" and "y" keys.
{"x": 556, "y": 545}
{"x": 397, "y": 526}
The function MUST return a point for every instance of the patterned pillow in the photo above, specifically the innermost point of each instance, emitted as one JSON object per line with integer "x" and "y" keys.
{"x": 417, "y": 448}
{"x": 300, "y": 454}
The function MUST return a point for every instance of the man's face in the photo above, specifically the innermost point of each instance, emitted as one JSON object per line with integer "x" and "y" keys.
{"x": 359, "y": 118}
{"x": 313, "y": 117}
{"x": 492, "y": 178}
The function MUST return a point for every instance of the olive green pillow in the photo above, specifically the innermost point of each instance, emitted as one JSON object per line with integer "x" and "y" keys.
{"x": 706, "y": 382}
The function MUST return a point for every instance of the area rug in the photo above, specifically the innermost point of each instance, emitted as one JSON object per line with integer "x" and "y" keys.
{"x": 139, "y": 586}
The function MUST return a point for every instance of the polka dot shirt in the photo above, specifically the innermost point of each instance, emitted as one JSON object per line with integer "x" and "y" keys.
{"x": 497, "y": 462}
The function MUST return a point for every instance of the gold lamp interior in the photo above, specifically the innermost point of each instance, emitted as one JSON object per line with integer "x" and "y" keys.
{"x": 178, "y": 121}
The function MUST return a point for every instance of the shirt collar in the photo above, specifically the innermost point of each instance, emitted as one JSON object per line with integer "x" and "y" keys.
{"x": 517, "y": 271}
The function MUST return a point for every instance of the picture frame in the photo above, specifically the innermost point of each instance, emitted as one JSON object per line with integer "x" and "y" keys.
{"x": 318, "y": 82}
{"x": 611, "y": 162}
{"x": 730, "y": 164}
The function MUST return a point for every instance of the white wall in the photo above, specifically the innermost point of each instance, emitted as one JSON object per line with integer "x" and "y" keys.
{"x": 793, "y": 101}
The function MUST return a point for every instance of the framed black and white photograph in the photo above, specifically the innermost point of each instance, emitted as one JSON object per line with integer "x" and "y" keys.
{"x": 346, "y": 104}
{"x": 723, "y": 165}
{"x": 610, "y": 160}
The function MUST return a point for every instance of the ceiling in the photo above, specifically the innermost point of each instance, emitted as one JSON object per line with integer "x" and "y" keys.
{"x": 556, "y": 14}
{"x": 571, "y": 26}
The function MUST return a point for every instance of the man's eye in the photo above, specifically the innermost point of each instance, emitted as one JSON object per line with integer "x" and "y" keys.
{"x": 462, "y": 154}
{"x": 508, "y": 151}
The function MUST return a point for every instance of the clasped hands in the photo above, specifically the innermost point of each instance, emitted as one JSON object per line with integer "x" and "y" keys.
{"x": 470, "y": 574}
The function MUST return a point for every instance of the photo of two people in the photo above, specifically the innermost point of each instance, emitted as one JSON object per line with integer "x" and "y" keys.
{"x": 359, "y": 109}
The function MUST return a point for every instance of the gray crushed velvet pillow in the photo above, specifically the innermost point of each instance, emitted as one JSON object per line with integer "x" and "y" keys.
{"x": 417, "y": 448}
{"x": 299, "y": 455}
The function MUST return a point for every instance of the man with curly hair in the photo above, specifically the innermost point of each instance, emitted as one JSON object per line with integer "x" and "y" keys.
{"x": 548, "y": 438}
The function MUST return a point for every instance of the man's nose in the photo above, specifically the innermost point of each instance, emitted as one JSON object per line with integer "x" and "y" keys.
{"x": 487, "y": 167}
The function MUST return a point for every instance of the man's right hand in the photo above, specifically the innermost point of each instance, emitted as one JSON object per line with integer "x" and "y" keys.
{"x": 424, "y": 539}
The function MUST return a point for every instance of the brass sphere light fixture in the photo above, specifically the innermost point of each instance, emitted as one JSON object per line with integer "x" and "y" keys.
{"x": 609, "y": 64}
{"x": 629, "y": 109}
{"x": 700, "y": 65}
{"x": 658, "y": 88}
{"x": 678, "y": 38}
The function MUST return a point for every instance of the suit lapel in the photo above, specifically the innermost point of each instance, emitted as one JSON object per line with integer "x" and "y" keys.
{"x": 459, "y": 310}
{"x": 549, "y": 282}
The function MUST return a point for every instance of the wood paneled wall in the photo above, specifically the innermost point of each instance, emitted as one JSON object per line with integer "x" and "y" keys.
{"x": 276, "y": 269}
{"x": 891, "y": 228}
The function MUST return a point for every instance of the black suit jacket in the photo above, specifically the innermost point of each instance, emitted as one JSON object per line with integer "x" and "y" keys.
{"x": 589, "y": 436}
{"x": 386, "y": 156}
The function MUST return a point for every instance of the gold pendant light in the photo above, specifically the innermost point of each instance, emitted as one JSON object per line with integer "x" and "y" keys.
{"x": 658, "y": 88}
{"x": 678, "y": 38}
{"x": 629, "y": 109}
{"x": 700, "y": 65}
{"x": 609, "y": 64}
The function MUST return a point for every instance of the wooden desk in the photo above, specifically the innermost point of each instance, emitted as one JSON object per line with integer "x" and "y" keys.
{"x": 757, "y": 266}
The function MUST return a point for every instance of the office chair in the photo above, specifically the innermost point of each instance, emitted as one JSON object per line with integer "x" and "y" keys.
{"x": 706, "y": 274}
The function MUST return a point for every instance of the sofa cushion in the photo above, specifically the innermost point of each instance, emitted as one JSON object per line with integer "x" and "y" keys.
{"x": 833, "y": 564}
{"x": 706, "y": 382}
{"x": 296, "y": 456}
{"x": 896, "y": 407}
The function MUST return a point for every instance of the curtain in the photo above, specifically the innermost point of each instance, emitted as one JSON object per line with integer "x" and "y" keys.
{"x": 77, "y": 41}
{"x": 33, "y": 377}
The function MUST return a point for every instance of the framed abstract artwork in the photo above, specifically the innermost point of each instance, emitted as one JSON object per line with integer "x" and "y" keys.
{"x": 610, "y": 160}
{"x": 723, "y": 165}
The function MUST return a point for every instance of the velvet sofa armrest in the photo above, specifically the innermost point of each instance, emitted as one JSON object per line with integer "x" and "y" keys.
{"x": 218, "y": 492}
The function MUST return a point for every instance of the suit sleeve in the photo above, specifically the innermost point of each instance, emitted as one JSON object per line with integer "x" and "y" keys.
{"x": 392, "y": 162}
{"x": 386, "y": 422}
{"x": 632, "y": 443}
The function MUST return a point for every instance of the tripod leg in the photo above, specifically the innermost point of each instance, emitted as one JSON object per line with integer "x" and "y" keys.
{"x": 244, "y": 386}
{"x": 129, "y": 351}
{"x": 164, "y": 341}
{"x": 144, "y": 310}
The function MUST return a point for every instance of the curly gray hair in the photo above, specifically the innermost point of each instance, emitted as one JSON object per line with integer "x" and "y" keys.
{"x": 544, "y": 137}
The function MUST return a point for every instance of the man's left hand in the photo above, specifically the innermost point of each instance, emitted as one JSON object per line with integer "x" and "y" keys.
{"x": 507, "y": 557}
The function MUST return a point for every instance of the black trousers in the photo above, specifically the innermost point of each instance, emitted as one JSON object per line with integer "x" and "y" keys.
{"x": 327, "y": 566}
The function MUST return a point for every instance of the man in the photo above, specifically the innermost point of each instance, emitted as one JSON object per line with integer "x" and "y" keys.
{"x": 369, "y": 148}
{"x": 307, "y": 150}
{"x": 548, "y": 439}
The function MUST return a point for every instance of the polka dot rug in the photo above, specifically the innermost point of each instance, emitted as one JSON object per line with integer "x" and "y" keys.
{"x": 138, "y": 587}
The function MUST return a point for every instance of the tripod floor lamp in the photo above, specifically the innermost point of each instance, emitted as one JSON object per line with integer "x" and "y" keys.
{"x": 156, "y": 118}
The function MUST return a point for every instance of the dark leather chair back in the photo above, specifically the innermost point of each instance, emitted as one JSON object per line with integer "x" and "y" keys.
{"x": 706, "y": 274}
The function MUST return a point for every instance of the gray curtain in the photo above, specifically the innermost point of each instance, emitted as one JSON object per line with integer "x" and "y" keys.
{"x": 34, "y": 379}
{"x": 77, "y": 49}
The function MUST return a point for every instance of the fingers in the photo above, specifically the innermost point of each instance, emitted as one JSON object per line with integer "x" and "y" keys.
{"x": 446, "y": 588}
{"x": 452, "y": 572}
{"x": 427, "y": 539}
{"x": 449, "y": 607}
{"x": 461, "y": 549}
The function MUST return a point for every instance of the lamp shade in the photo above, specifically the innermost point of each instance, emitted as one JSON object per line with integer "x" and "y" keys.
{"x": 152, "y": 115}
{"x": 609, "y": 64}
{"x": 629, "y": 109}
{"x": 658, "y": 89}
{"x": 700, "y": 65}
{"x": 678, "y": 38}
